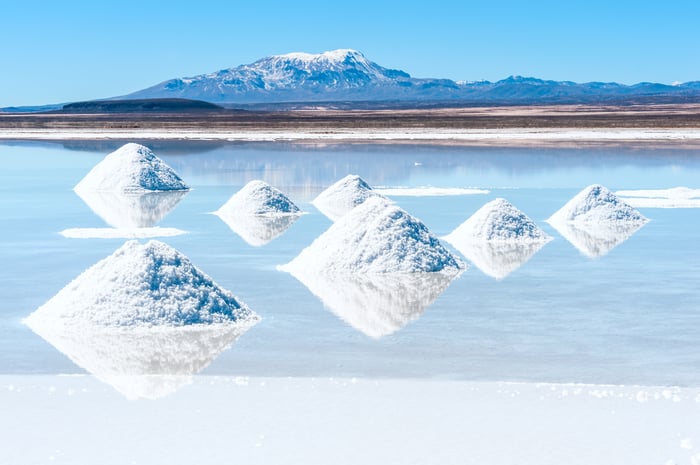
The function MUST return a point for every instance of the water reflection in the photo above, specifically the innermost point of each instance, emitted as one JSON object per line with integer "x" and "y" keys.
{"x": 596, "y": 240}
{"x": 141, "y": 363}
{"x": 498, "y": 259}
{"x": 376, "y": 304}
{"x": 257, "y": 230}
{"x": 131, "y": 210}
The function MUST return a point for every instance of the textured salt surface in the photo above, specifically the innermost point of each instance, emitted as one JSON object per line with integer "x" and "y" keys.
{"x": 141, "y": 285}
{"x": 131, "y": 168}
{"x": 376, "y": 237}
{"x": 596, "y": 205}
{"x": 259, "y": 213}
{"x": 343, "y": 196}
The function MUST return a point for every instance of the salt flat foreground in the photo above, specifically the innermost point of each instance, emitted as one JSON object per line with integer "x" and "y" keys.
{"x": 77, "y": 419}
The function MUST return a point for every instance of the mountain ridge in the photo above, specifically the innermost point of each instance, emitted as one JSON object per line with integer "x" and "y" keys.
{"x": 347, "y": 75}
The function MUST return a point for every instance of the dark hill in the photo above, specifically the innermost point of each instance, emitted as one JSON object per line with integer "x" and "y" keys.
{"x": 157, "y": 105}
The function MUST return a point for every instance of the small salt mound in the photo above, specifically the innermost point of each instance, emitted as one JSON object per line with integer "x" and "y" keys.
{"x": 498, "y": 220}
{"x": 258, "y": 198}
{"x": 131, "y": 168}
{"x": 376, "y": 237}
{"x": 148, "y": 284}
{"x": 596, "y": 205}
{"x": 343, "y": 196}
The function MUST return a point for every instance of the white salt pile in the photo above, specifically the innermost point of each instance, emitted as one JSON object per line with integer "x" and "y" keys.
{"x": 259, "y": 213}
{"x": 498, "y": 238}
{"x": 148, "y": 284}
{"x": 596, "y": 220}
{"x": 376, "y": 237}
{"x": 131, "y": 168}
{"x": 376, "y": 304}
{"x": 596, "y": 205}
{"x": 343, "y": 196}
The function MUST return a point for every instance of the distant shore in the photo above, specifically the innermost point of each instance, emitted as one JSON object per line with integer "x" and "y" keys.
{"x": 533, "y": 125}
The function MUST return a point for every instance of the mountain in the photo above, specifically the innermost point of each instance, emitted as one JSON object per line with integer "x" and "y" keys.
{"x": 348, "y": 76}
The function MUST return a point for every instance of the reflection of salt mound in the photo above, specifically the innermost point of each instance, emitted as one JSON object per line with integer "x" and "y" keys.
{"x": 596, "y": 205}
{"x": 498, "y": 238}
{"x": 142, "y": 362}
{"x": 258, "y": 213}
{"x": 131, "y": 168}
{"x": 142, "y": 285}
{"x": 376, "y": 237}
{"x": 343, "y": 196}
{"x": 596, "y": 240}
{"x": 143, "y": 319}
{"x": 596, "y": 220}
{"x": 376, "y": 304}
{"x": 131, "y": 210}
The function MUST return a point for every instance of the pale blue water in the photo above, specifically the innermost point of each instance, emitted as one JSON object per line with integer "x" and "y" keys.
{"x": 628, "y": 317}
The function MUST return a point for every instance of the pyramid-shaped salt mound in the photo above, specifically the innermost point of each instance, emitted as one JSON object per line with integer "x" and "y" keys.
{"x": 596, "y": 205}
{"x": 498, "y": 220}
{"x": 258, "y": 213}
{"x": 498, "y": 238}
{"x": 376, "y": 237}
{"x": 139, "y": 285}
{"x": 258, "y": 198}
{"x": 596, "y": 220}
{"x": 343, "y": 196}
{"x": 131, "y": 168}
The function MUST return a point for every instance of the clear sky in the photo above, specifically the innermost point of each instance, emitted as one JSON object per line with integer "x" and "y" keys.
{"x": 70, "y": 50}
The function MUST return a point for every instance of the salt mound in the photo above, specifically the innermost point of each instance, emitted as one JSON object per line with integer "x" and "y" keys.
{"x": 131, "y": 168}
{"x": 142, "y": 285}
{"x": 376, "y": 237}
{"x": 375, "y": 304}
{"x": 258, "y": 198}
{"x": 498, "y": 238}
{"x": 343, "y": 196}
{"x": 596, "y": 205}
{"x": 498, "y": 220}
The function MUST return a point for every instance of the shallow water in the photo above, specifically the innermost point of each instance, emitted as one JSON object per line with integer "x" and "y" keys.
{"x": 628, "y": 316}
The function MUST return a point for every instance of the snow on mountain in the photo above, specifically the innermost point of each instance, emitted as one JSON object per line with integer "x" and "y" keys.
{"x": 596, "y": 205}
{"x": 142, "y": 285}
{"x": 376, "y": 237}
{"x": 343, "y": 195}
{"x": 132, "y": 168}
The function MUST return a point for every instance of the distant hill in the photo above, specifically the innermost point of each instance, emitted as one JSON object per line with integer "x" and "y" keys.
{"x": 151, "y": 105}
{"x": 347, "y": 76}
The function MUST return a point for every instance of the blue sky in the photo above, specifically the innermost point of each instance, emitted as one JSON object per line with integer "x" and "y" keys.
{"x": 77, "y": 50}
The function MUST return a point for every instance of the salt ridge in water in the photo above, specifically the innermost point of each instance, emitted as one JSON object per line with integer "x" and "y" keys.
{"x": 376, "y": 237}
{"x": 343, "y": 196}
{"x": 140, "y": 285}
{"x": 131, "y": 168}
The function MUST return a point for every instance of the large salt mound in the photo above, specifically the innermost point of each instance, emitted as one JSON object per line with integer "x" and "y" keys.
{"x": 376, "y": 237}
{"x": 131, "y": 168}
{"x": 148, "y": 284}
{"x": 596, "y": 205}
{"x": 343, "y": 196}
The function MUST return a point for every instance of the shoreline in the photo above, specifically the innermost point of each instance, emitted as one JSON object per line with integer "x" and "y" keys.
{"x": 507, "y": 137}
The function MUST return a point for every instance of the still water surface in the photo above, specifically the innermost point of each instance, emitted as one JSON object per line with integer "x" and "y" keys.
{"x": 626, "y": 316}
